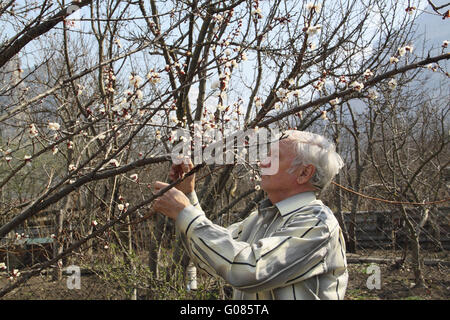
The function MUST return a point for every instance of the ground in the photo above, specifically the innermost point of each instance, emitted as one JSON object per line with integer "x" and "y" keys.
{"x": 396, "y": 283}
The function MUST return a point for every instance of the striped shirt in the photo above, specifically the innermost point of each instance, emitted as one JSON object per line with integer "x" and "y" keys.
{"x": 291, "y": 250}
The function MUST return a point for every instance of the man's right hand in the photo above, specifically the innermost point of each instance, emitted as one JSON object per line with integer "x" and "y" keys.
{"x": 178, "y": 171}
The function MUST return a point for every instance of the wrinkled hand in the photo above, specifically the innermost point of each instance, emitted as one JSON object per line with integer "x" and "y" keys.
{"x": 170, "y": 203}
{"x": 178, "y": 171}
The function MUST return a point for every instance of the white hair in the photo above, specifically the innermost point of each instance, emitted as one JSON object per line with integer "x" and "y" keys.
{"x": 310, "y": 148}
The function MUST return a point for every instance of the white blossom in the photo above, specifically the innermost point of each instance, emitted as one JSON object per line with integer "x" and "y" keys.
{"x": 135, "y": 80}
{"x": 410, "y": 10}
{"x": 33, "y": 131}
{"x": 54, "y": 126}
{"x": 283, "y": 94}
{"x": 368, "y": 73}
{"x": 215, "y": 85}
{"x": 258, "y": 101}
{"x": 313, "y": 30}
{"x": 319, "y": 85}
{"x": 372, "y": 94}
{"x": 218, "y": 17}
{"x": 312, "y": 45}
{"x": 357, "y": 86}
{"x": 117, "y": 108}
{"x": 154, "y": 77}
{"x": 257, "y": 13}
{"x": 392, "y": 84}
{"x": 314, "y": 7}
{"x": 335, "y": 101}
{"x": 393, "y": 60}
{"x": 223, "y": 95}
{"x": 401, "y": 51}
{"x": 114, "y": 162}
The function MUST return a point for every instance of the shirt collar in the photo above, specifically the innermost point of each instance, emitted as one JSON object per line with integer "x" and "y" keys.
{"x": 295, "y": 202}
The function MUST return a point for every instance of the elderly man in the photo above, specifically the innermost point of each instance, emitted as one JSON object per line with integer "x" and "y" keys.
{"x": 291, "y": 247}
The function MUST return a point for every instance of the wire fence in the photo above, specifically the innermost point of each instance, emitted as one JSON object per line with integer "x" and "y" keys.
{"x": 386, "y": 230}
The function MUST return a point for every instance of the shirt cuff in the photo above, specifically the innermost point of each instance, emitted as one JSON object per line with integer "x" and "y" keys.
{"x": 186, "y": 217}
{"x": 193, "y": 198}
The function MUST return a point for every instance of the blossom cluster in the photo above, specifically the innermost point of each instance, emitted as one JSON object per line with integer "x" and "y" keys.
{"x": 401, "y": 51}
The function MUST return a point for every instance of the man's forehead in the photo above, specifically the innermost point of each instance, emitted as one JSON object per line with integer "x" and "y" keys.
{"x": 284, "y": 142}
{"x": 284, "y": 147}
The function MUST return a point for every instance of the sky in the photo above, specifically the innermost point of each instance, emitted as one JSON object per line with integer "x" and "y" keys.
{"x": 434, "y": 29}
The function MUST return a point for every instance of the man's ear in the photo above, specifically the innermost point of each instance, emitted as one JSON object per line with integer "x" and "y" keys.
{"x": 305, "y": 173}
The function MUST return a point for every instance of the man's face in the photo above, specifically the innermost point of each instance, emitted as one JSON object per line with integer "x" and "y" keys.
{"x": 281, "y": 180}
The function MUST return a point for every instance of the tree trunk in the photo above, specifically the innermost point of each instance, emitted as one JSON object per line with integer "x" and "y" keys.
{"x": 58, "y": 246}
{"x": 415, "y": 250}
